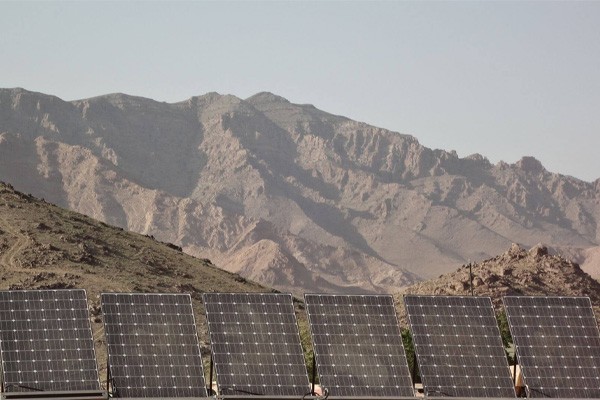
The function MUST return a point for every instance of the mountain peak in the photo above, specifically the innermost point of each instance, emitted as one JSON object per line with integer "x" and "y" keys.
{"x": 267, "y": 97}
{"x": 530, "y": 164}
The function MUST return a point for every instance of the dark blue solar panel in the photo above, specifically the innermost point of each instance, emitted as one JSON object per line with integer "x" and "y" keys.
{"x": 558, "y": 345}
{"x": 458, "y": 345}
{"x": 255, "y": 344}
{"x": 358, "y": 345}
{"x": 46, "y": 341}
{"x": 153, "y": 348}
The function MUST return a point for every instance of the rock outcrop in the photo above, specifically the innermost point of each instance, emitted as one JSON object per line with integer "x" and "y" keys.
{"x": 516, "y": 272}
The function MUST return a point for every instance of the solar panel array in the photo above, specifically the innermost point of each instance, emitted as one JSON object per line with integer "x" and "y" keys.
{"x": 152, "y": 345}
{"x": 358, "y": 345}
{"x": 46, "y": 344}
{"x": 458, "y": 346}
{"x": 255, "y": 344}
{"x": 558, "y": 345}
{"x": 46, "y": 341}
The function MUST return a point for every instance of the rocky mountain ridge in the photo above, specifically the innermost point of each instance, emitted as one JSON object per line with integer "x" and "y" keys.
{"x": 286, "y": 194}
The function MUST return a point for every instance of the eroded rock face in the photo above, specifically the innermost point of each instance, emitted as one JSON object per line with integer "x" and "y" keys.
{"x": 284, "y": 193}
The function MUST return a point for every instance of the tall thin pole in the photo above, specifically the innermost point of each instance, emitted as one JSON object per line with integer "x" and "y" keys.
{"x": 471, "y": 278}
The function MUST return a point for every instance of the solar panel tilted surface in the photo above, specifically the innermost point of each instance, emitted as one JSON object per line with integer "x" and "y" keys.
{"x": 255, "y": 344}
{"x": 558, "y": 345}
{"x": 153, "y": 348}
{"x": 46, "y": 341}
{"x": 458, "y": 346}
{"x": 358, "y": 345}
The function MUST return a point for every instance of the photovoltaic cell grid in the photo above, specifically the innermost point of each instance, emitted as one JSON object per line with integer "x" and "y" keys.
{"x": 558, "y": 345}
{"x": 458, "y": 346}
{"x": 46, "y": 341}
{"x": 358, "y": 345}
{"x": 255, "y": 344}
{"x": 153, "y": 348}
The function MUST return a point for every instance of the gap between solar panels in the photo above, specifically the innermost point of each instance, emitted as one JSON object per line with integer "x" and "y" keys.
{"x": 46, "y": 345}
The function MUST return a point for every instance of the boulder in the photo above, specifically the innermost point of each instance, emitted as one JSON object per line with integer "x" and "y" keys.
{"x": 539, "y": 250}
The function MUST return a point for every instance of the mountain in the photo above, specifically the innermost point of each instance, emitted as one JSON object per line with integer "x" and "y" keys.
{"x": 286, "y": 194}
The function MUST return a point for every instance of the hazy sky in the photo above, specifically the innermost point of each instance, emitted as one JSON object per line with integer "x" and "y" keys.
{"x": 504, "y": 79}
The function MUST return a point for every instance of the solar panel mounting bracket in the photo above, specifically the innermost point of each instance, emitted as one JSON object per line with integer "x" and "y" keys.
{"x": 262, "y": 397}
{"x": 311, "y": 397}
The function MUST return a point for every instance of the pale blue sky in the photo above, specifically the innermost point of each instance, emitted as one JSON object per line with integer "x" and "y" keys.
{"x": 504, "y": 79}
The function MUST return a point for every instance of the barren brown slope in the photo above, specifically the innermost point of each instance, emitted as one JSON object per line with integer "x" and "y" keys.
{"x": 516, "y": 272}
{"x": 46, "y": 247}
{"x": 318, "y": 201}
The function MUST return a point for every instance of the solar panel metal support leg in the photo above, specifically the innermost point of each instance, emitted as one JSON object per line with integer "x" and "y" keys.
{"x": 414, "y": 369}
{"x": 515, "y": 368}
{"x": 314, "y": 373}
{"x": 108, "y": 378}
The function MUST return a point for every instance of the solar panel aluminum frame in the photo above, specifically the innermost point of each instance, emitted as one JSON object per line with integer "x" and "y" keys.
{"x": 329, "y": 397}
{"x": 97, "y": 392}
{"x": 242, "y": 393}
{"x": 56, "y": 395}
{"x": 531, "y": 392}
{"x": 402, "y": 377}
{"x": 111, "y": 356}
{"x": 507, "y": 384}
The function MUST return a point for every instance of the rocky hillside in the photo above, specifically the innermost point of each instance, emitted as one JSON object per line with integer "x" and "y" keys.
{"x": 46, "y": 247}
{"x": 286, "y": 194}
{"x": 516, "y": 272}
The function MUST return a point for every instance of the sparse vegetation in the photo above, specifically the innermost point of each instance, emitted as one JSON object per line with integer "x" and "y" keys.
{"x": 307, "y": 345}
{"x": 409, "y": 348}
{"x": 505, "y": 334}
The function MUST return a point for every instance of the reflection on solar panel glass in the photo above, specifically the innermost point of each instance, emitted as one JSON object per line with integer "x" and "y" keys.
{"x": 558, "y": 345}
{"x": 46, "y": 341}
{"x": 152, "y": 345}
{"x": 255, "y": 344}
{"x": 458, "y": 345}
{"x": 358, "y": 345}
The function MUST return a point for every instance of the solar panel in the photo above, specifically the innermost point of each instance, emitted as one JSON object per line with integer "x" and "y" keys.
{"x": 152, "y": 343}
{"x": 255, "y": 344}
{"x": 46, "y": 341}
{"x": 458, "y": 346}
{"x": 358, "y": 345}
{"x": 558, "y": 345}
